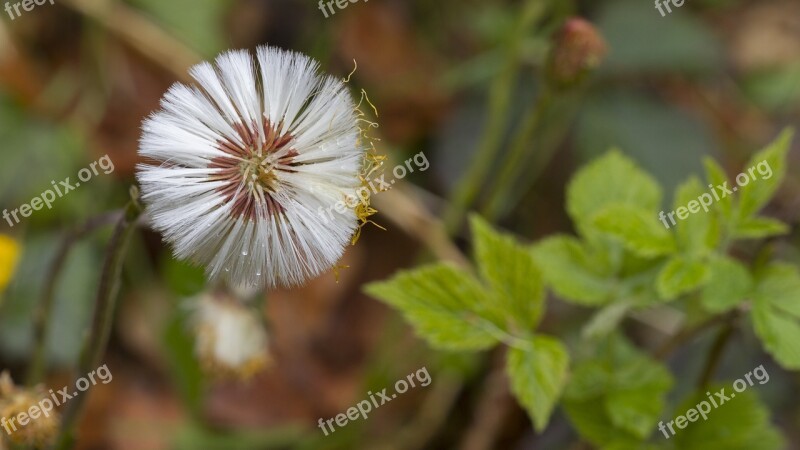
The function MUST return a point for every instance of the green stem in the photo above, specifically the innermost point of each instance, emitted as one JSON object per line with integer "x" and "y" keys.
{"x": 102, "y": 321}
{"x": 500, "y": 95}
{"x": 715, "y": 355}
{"x": 514, "y": 162}
{"x": 44, "y": 310}
{"x": 687, "y": 334}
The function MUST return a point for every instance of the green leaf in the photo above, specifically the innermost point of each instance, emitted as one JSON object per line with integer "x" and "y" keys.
{"x": 779, "y": 334}
{"x": 716, "y": 176}
{"x": 630, "y": 402}
{"x": 509, "y": 269}
{"x": 624, "y": 390}
{"x": 571, "y": 272}
{"x": 776, "y": 313}
{"x": 742, "y": 423}
{"x": 729, "y": 284}
{"x": 759, "y": 228}
{"x": 606, "y": 320}
{"x": 681, "y": 275}
{"x": 638, "y": 230}
{"x": 538, "y": 376}
{"x": 591, "y": 421}
{"x": 698, "y": 234}
{"x": 610, "y": 179}
{"x": 779, "y": 284}
{"x": 443, "y": 304}
{"x": 766, "y": 171}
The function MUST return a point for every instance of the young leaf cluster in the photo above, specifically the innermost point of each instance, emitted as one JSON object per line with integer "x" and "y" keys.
{"x": 622, "y": 260}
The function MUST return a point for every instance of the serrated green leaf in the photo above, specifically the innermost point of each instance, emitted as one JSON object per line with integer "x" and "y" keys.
{"x": 716, "y": 176}
{"x": 758, "y": 228}
{"x": 538, "y": 376}
{"x": 591, "y": 421}
{"x": 625, "y": 390}
{"x": 509, "y": 269}
{"x": 776, "y": 313}
{"x": 630, "y": 404}
{"x": 769, "y": 162}
{"x": 571, "y": 272}
{"x": 443, "y": 304}
{"x": 638, "y": 230}
{"x": 779, "y": 284}
{"x": 606, "y": 320}
{"x": 698, "y": 234}
{"x": 779, "y": 334}
{"x": 681, "y": 275}
{"x": 611, "y": 179}
{"x": 742, "y": 423}
{"x": 625, "y": 409}
{"x": 729, "y": 284}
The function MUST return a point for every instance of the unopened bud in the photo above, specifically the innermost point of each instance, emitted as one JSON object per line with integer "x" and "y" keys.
{"x": 25, "y": 420}
{"x": 578, "y": 48}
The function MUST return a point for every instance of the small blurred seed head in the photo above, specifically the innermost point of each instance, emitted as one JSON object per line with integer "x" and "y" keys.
{"x": 40, "y": 432}
{"x": 578, "y": 48}
{"x": 230, "y": 338}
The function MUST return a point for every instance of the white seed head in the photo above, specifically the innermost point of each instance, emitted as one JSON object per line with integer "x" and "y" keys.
{"x": 230, "y": 338}
{"x": 247, "y": 164}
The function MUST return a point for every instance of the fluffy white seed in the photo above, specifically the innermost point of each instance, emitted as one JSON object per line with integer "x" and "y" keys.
{"x": 241, "y": 165}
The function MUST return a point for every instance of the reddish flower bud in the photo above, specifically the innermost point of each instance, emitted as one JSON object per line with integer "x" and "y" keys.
{"x": 578, "y": 48}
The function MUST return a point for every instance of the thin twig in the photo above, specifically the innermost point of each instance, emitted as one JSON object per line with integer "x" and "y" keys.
{"x": 687, "y": 334}
{"x": 433, "y": 411}
{"x": 715, "y": 355}
{"x": 402, "y": 209}
{"x": 44, "y": 309}
{"x": 491, "y": 409}
{"x": 150, "y": 40}
{"x": 104, "y": 307}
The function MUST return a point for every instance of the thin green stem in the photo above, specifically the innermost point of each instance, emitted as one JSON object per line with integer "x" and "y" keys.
{"x": 514, "y": 162}
{"x": 715, "y": 355}
{"x": 500, "y": 95}
{"x": 44, "y": 310}
{"x": 510, "y": 340}
{"x": 687, "y": 334}
{"x": 102, "y": 321}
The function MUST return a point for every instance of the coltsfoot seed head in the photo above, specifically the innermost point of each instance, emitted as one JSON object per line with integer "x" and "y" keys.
{"x": 244, "y": 161}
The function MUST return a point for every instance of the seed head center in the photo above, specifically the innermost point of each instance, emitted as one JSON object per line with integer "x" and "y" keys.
{"x": 259, "y": 172}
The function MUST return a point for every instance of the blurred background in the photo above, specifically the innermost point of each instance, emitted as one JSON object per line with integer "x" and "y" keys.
{"x": 714, "y": 77}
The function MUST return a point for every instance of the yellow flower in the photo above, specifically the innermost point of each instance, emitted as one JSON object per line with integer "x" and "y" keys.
{"x": 9, "y": 256}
